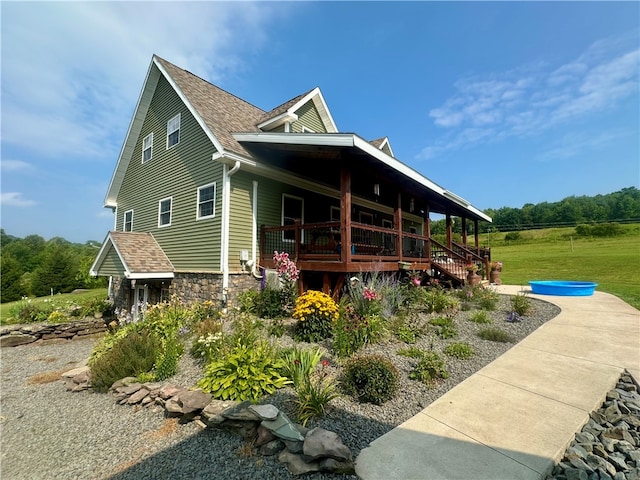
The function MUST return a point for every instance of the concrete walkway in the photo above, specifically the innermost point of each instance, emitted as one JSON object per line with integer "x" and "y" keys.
{"x": 514, "y": 418}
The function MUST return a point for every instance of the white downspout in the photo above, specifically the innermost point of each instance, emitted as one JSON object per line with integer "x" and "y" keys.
{"x": 226, "y": 206}
{"x": 254, "y": 232}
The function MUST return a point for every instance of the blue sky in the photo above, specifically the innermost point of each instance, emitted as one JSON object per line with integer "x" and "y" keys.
{"x": 503, "y": 103}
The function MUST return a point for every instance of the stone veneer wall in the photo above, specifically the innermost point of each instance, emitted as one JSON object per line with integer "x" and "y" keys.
{"x": 193, "y": 287}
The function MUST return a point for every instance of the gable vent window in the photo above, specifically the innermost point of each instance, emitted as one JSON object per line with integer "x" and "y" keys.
{"x": 127, "y": 225}
{"x": 206, "y": 201}
{"x": 164, "y": 212}
{"x": 147, "y": 148}
{"x": 173, "y": 131}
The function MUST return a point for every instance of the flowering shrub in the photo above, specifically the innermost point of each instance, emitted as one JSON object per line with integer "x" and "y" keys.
{"x": 285, "y": 267}
{"x": 351, "y": 331}
{"x": 315, "y": 312}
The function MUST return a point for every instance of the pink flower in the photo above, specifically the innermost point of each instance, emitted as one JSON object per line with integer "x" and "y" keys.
{"x": 325, "y": 363}
{"x": 416, "y": 281}
{"x": 369, "y": 294}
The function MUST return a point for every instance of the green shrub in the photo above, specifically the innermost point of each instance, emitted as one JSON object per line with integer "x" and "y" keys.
{"x": 411, "y": 352}
{"x": 437, "y": 300}
{"x": 275, "y": 302}
{"x": 495, "y": 335}
{"x": 487, "y": 299}
{"x": 512, "y": 237}
{"x": 27, "y": 312}
{"x": 352, "y": 331}
{"x": 480, "y": 317}
{"x": 203, "y": 312}
{"x": 245, "y": 373}
{"x": 166, "y": 364}
{"x": 444, "y": 326}
{"x": 247, "y": 301}
{"x": 371, "y": 379}
{"x": 299, "y": 363}
{"x": 407, "y": 326}
{"x": 430, "y": 367}
{"x": 129, "y": 356}
{"x": 520, "y": 303}
{"x": 459, "y": 350}
{"x": 314, "y": 394}
{"x": 315, "y": 312}
{"x": 56, "y": 317}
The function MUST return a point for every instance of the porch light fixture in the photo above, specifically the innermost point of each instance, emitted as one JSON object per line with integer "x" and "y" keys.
{"x": 376, "y": 189}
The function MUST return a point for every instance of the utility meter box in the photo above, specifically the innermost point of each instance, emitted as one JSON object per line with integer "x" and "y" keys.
{"x": 244, "y": 255}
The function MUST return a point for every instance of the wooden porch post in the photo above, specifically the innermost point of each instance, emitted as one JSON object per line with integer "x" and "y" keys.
{"x": 397, "y": 220}
{"x": 345, "y": 215}
{"x": 427, "y": 230}
{"x": 464, "y": 231}
{"x": 476, "y": 234}
{"x": 449, "y": 231}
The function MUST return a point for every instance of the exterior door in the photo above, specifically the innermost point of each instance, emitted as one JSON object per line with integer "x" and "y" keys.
{"x": 140, "y": 300}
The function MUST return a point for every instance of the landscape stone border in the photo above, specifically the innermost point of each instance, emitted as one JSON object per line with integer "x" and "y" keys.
{"x": 14, "y": 335}
{"x": 608, "y": 446}
{"x": 264, "y": 427}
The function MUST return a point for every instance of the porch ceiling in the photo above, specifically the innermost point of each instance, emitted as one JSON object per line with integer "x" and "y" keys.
{"x": 321, "y": 163}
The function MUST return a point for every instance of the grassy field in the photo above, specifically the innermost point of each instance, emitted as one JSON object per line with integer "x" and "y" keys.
{"x": 558, "y": 254}
{"x": 55, "y": 301}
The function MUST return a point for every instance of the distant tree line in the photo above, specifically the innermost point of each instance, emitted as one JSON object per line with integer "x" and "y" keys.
{"x": 618, "y": 207}
{"x": 32, "y": 266}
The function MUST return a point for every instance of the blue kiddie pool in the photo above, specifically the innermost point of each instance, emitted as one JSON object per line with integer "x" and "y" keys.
{"x": 563, "y": 288}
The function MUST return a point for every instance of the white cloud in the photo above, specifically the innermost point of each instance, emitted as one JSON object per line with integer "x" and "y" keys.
{"x": 72, "y": 71}
{"x": 15, "y": 166}
{"x": 535, "y": 98}
{"x": 14, "y": 199}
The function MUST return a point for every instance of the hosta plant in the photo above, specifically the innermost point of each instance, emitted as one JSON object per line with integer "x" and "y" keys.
{"x": 247, "y": 372}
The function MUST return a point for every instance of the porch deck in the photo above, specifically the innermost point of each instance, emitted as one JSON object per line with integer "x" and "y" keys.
{"x": 319, "y": 248}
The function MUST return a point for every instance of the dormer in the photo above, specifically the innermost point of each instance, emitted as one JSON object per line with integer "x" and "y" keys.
{"x": 383, "y": 144}
{"x": 305, "y": 113}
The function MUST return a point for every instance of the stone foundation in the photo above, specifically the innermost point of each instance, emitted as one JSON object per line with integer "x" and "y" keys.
{"x": 188, "y": 287}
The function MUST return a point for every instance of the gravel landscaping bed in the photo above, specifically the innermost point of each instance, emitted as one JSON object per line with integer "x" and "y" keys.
{"x": 47, "y": 432}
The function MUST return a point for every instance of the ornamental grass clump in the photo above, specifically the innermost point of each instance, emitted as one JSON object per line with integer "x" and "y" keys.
{"x": 370, "y": 379}
{"x": 315, "y": 312}
{"x": 520, "y": 304}
{"x": 480, "y": 317}
{"x": 314, "y": 394}
{"x": 299, "y": 363}
{"x": 494, "y": 334}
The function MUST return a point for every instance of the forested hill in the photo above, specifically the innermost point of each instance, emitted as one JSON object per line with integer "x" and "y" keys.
{"x": 620, "y": 207}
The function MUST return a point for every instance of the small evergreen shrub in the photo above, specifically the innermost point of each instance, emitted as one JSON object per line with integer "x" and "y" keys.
{"x": 459, "y": 350}
{"x": 521, "y": 304}
{"x": 315, "y": 312}
{"x": 494, "y": 334}
{"x": 370, "y": 379}
{"x": 480, "y": 317}
{"x": 430, "y": 367}
{"x": 247, "y": 372}
{"x": 129, "y": 356}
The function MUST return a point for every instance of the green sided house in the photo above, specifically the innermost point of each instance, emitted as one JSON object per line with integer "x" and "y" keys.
{"x": 208, "y": 186}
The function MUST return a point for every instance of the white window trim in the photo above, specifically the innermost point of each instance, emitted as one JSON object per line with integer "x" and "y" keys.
{"x": 124, "y": 221}
{"x": 150, "y": 147}
{"x": 307, "y": 130}
{"x": 215, "y": 192}
{"x": 386, "y": 223}
{"x": 160, "y": 212}
{"x": 174, "y": 130}
{"x": 286, "y": 195}
{"x": 332, "y": 217}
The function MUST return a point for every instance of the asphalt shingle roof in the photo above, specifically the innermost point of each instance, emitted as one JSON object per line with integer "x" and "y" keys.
{"x": 141, "y": 253}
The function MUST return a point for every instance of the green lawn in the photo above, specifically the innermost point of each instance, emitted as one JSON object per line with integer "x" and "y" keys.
{"x": 613, "y": 263}
{"x": 57, "y": 301}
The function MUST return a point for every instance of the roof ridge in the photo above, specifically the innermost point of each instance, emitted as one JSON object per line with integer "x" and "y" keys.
{"x": 212, "y": 84}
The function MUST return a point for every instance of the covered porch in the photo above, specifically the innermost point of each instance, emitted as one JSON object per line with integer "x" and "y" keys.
{"x": 382, "y": 222}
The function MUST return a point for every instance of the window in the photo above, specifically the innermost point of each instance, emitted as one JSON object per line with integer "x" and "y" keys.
{"x": 164, "y": 212}
{"x": 127, "y": 224}
{"x": 366, "y": 218}
{"x": 292, "y": 210}
{"x": 206, "y": 201}
{"x": 335, "y": 214}
{"x": 147, "y": 148}
{"x": 173, "y": 131}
